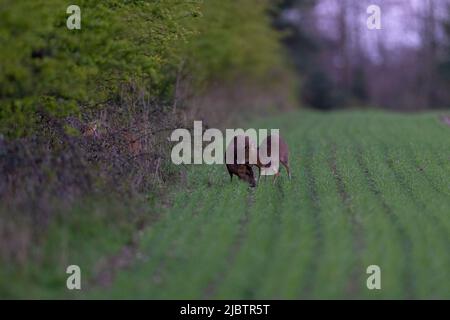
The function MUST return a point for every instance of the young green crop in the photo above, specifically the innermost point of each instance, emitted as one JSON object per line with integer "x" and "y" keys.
{"x": 368, "y": 188}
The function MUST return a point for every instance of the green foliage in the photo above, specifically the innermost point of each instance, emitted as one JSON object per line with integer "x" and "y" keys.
{"x": 235, "y": 39}
{"x": 47, "y": 66}
{"x": 121, "y": 44}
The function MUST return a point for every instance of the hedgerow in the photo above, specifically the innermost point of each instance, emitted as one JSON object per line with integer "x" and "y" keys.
{"x": 45, "y": 66}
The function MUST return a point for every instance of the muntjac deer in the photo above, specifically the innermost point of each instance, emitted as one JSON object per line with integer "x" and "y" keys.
{"x": 240, "y": 168}
{"x": 90, "y": 130}
{"x": 283, "y": 152}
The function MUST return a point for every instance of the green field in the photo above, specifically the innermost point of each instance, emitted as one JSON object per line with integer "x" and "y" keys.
{"x": 368, "y": 188}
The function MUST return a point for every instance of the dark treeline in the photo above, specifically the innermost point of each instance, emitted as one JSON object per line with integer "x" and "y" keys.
{"x": 403, "y": 66}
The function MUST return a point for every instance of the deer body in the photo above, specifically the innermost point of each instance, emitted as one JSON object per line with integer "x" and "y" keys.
{"x": 240, "y": 166}
{"x": 283, "y": 156}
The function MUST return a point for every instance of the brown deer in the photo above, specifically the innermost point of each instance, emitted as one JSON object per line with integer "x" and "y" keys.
{"x": 242, "y": 170}
{"x": 90, "y": 130}
{"x": 283, "y": 152}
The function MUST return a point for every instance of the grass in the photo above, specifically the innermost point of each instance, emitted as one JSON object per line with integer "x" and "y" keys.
{"x": 85, "y": 235}
{"x": 367, "y": 188}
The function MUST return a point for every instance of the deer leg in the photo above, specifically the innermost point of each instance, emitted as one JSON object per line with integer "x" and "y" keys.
{"x": 287, "y": 170}
{"x": 275, "y": 176}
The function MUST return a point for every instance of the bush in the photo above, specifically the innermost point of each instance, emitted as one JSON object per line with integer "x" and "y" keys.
{"x": 137, "y": 43}
{"x": 48, "y": 67}
{"x": 235, "y": 38}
